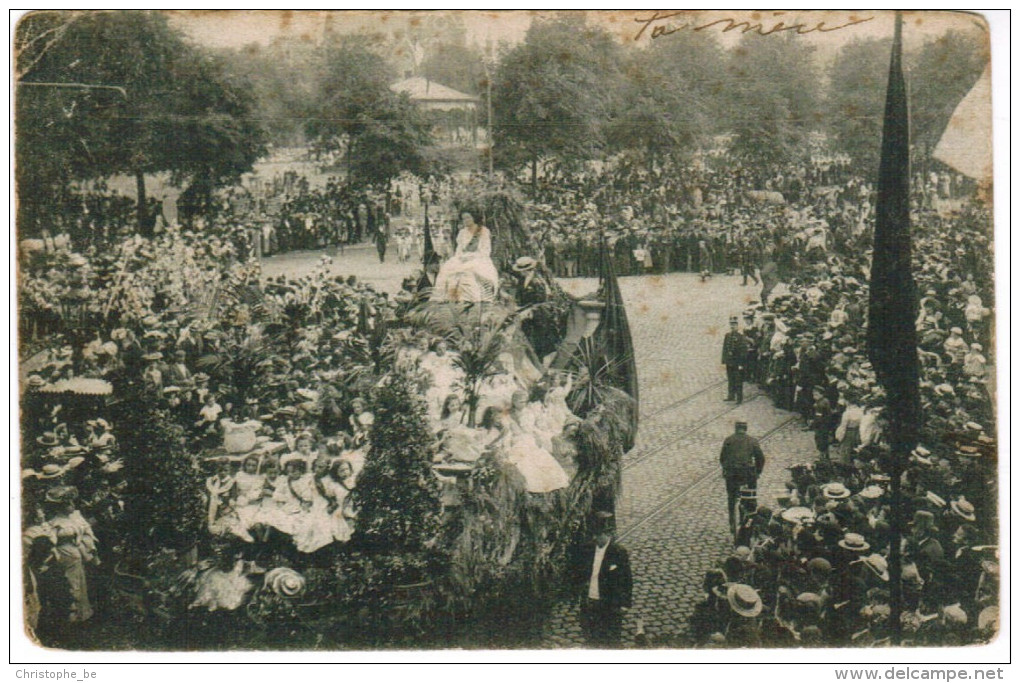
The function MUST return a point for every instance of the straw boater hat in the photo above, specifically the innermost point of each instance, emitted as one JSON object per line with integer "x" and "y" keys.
{"x": 61, "y": 494}
{"x": 155, "y": 355}
{"x": 854, "y": 543}
{"x": 744, "y": 600}
{"x": 963, "y": 509}
{"x": 871, "y": 492}
{"x": 835, "y": 491}
{"x": 524, "y": 264}
{"x": 877, "y": 564}
{"x": 36, "y": 381}
{"x": 797, "y": 515}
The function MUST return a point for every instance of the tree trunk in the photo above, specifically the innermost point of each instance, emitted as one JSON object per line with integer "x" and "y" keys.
{"x": 143, "y": 220}
{"x": 534, "y": 175}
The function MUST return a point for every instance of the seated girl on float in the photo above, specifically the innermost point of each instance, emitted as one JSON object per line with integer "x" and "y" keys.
{"x": 458, "y": 442}
{"x": 540, "y": 470}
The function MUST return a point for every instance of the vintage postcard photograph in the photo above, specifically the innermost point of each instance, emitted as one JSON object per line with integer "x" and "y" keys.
{"x": 505, "y": 330}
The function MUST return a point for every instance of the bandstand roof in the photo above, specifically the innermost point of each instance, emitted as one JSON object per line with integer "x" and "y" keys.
{"x": 434, "y": 95}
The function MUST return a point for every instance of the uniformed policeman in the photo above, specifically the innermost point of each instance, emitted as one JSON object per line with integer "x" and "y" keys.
{"x": 742, "y": 462}
{"x": 734, "y": 357}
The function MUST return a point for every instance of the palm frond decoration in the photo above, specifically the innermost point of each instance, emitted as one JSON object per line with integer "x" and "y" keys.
{"x": 596, "y": 374}
{"x": 478, "y": 347}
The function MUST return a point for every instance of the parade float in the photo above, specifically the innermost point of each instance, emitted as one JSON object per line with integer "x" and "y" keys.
{"x": 232, "y": 397}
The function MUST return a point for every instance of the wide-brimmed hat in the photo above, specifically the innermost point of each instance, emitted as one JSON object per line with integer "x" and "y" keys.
{"x": 744, "y": 600}
{"x": 155, "y": 355}
{"x": 61, "y": 494}
{"x": 524, "y": 264}
{"x": 968, "y": 452}
{"x": 877, "y": 564}
{"x": 871, "y": 492}
{"x": 797, "y": 515}
{"x": 854, "y": 543}
{"x": 835, "y": 491}
{"x": 964, "y": 509}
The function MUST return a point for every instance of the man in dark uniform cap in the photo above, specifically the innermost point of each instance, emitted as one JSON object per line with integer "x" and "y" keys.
{"x": 742, "y": 462}
{"x": 734, "y": 356}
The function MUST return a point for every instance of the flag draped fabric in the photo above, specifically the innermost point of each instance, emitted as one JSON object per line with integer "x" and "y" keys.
{"x": 966, "y": 144}
{"x": 614, "y": 333}
{"x": 892, "y": 310}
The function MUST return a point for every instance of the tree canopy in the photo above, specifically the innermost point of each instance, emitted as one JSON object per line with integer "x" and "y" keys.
{"x": 669, "y": 95}
{"x": 102, "y": 93}
{"x": 772, "y": 99}
{"x": 379, "y": 132}
{"x": 554, "y": 93}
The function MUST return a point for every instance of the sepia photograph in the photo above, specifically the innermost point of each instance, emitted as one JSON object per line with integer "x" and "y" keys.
{"x": 505, "y": 330}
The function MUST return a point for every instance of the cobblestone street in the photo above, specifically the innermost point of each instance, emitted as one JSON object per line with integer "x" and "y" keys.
{"x": 672, "y": 514}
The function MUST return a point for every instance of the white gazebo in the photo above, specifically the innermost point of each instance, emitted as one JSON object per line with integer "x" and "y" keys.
{"x": 456, "y": 111}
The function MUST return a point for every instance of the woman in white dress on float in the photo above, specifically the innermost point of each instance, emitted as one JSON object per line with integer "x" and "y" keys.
{"x": 473, "y": 257}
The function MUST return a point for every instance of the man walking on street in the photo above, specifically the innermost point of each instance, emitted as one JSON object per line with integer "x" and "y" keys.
{"x": 602, "y": 578}
{"x": 742, "y": 462}
{"x": 734, "y": 356}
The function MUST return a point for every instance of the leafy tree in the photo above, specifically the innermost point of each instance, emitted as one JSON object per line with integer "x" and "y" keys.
{"x": 553, "y": 93}
{"x": 380, "y": 132}
{"x": 163, "y": 504}
{"x": 939, "y": 76}
{"x": 102, "y": 93}
{"x": 669, "y": 96}
{"x": 455, "y": 66}
{"x": 856, "y": 99}
{"x": 397, "y": 493}
{"x": 283, "y": 83}
{"x": 771, "y": 102}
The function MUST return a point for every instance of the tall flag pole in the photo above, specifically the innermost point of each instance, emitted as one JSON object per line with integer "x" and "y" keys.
{"x": 892, "y": 308}
{"x": 614, "y": 333}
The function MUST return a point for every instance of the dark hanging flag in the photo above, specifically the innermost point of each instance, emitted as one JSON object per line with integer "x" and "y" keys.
{"x": 892, "y": 309}
{"x": 429, "y": 259}
{"x": 614, "y": 334}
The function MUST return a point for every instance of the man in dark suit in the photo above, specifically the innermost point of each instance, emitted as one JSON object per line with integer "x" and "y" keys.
{"x": 602, "y": 579}
{"x": 734, "y": 356}
{"x": 742, "y": 462}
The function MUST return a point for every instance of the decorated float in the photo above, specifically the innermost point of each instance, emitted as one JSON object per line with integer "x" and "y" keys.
{"x": 306, "y": 462}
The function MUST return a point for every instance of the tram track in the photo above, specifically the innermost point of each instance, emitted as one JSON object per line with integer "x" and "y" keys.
{"x": 676, "y": 497}
{"x": 628, "y": 464}
{"x": 677, "y": 404}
